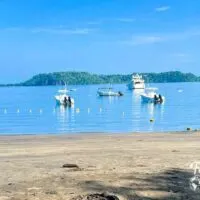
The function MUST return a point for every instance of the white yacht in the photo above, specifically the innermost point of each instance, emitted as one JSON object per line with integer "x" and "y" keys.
{"x": 137, "y": 82}
{"x": 108, "y": 92}
{"x": 63, "y": 99}
{"x": 151, "y": 96}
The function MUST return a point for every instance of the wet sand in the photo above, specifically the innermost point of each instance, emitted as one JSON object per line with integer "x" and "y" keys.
{"x": 132, "y": 166}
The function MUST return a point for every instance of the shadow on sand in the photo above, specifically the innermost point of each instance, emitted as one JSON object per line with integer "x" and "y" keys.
{"x": 172, "y": 184}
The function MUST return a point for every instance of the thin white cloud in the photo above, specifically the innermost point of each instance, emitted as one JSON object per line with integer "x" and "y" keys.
{"x": 180, "y": 55}
{"x": 162, "y": 8}
{"x": 12, "y": 29}
{"x": 153, "y": 38}
{"x": 78, "y": 31}
{"x": 94, "y": 22}
{"x": 183, "y": 57}
{"x": 141, "y": 40}
{"x": 126, "y": 20}
{"x": 111, "y": 20}
{"x": 187, "y": 34}
{"x": 60, "y": 30}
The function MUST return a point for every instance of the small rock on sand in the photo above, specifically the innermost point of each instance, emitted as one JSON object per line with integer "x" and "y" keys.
{"x": 70, "y": 166}
{"x": 175, "y": 151}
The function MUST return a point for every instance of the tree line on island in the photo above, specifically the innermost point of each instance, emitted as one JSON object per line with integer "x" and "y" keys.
{"x": 85, "y": 78}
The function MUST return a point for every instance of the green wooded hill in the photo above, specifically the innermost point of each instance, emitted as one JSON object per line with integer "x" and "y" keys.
{"x": 84, "y": 78}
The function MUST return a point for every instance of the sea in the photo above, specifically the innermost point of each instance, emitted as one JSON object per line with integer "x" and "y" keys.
{"x": 33, "y": 110}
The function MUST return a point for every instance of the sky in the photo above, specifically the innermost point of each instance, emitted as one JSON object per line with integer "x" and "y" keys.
{"x": 104, "y": 37}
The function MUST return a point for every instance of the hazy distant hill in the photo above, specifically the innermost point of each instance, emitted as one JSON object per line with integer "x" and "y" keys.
{"x": 84, "y": 78}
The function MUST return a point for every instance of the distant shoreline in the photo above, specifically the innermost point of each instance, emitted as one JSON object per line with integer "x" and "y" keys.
{"x": 4, "y": 86}
{"x": 85, "y": 78}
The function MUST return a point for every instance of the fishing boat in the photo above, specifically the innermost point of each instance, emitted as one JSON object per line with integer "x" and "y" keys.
{"x": 63, "y": 99}
{"x": 151, "y": 96}
{"x": 108, "y": 92}
{"x": 137, "y": 82}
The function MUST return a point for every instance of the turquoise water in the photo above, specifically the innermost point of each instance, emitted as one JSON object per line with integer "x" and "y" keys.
{"x": 32, "y": 110}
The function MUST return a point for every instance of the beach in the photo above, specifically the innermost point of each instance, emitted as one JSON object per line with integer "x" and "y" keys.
{"x": 130, "y": 166}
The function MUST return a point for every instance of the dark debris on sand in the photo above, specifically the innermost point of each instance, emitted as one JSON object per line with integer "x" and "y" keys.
{"x": 70, "y": 166}
{"x": 103, "y": 196}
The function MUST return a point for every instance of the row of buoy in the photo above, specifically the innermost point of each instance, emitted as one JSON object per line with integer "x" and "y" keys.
{"x": 54, "y": 110}
{"x": 18, "y": 111}
{"x": 100, "y": 110}
{"x": 88, "y": 110}
{"x": 77, "y": 111}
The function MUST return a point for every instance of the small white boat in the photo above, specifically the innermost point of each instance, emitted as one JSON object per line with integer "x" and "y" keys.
{"x": 63, "y": 99}
{"x": 65, "y": 90}
{"x": 180, "y": 90}
{"x": 108, "y": 92}
{"x": 137, "y": 82}
{"x": 150, "y": 96}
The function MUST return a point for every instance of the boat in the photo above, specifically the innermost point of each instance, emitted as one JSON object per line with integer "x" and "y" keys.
{"x": 65, "y": 90}
{"x": 180, "y": 90}
{"x": 151, "y": 96}
{"x": 63, "y": 99}
{"x": 137, "y": 82}
{"x": 108, "y": 92}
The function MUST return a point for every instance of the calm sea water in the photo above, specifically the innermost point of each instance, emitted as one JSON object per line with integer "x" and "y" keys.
{"x": 32, "y": 110}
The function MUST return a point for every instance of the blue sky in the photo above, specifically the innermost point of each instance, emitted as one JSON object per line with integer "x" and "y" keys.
{"x": 107, "y": 36}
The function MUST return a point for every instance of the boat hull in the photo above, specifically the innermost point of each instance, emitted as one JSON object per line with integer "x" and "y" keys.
{"x": 132, "y": 86}
{"x": 100, "y": 93}
{"x": 149, "y": 99}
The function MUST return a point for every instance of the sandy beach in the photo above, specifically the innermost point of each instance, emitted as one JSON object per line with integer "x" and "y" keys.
{"x": 131, "y": 166}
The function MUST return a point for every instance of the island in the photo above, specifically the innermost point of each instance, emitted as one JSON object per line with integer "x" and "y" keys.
{"x": 85, "y": 78}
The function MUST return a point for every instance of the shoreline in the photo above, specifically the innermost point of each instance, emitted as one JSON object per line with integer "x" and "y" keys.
{"x": 98, "y": 133}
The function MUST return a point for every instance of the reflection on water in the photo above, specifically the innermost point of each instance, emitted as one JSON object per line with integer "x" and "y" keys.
{"x": 109, "y": 99}
{"x": 65, "y": 117}
{"x": 153, "y": 109}
{"x": 150, "y": 108}
{"x": 138, "y": 92}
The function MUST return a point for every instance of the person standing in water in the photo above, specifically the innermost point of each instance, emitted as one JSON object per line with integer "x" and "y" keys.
{"x": 65, "y": 100}
{"x": 70, "y": 101}
{"x": 160, "y": 98}
{"x": 156, "y": 98}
